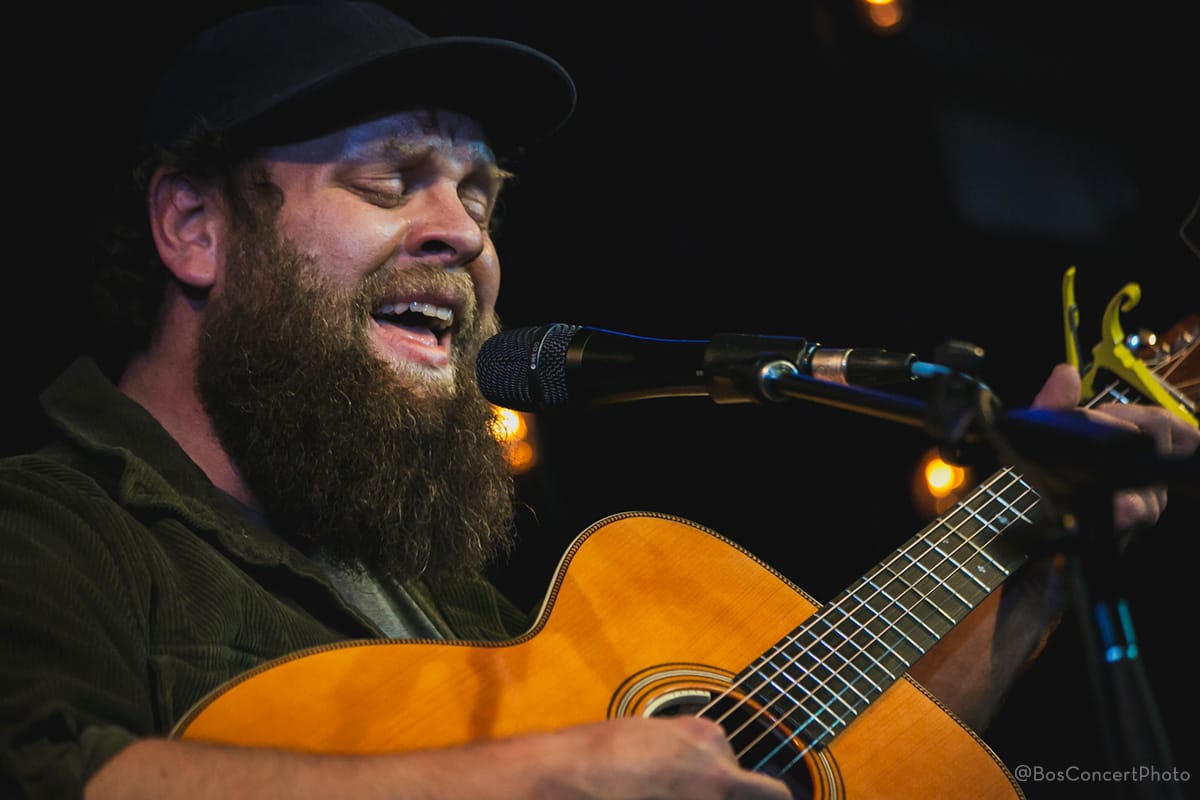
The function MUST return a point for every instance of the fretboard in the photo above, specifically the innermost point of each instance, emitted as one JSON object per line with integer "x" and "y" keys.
{"x": 845, "y": 655}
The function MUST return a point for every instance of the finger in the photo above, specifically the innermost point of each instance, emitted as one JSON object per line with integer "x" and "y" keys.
{"x": 1133, "y": 510}
{"x": 1172, "y": 435}
{"x": 1061, "y": 390}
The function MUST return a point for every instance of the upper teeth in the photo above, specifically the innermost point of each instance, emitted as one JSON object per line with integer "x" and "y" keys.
{"x": 428, "y": 309}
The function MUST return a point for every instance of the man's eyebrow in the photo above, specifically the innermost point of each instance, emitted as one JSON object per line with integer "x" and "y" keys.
{"x": 399, "y": 148}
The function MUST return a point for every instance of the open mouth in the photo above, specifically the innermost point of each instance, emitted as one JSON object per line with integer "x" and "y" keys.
{"x": 415, "y": 332}
{"x": 425, "y": 321}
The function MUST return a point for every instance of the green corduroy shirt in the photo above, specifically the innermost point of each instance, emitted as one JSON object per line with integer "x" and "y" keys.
{"x": 131, "y": 587}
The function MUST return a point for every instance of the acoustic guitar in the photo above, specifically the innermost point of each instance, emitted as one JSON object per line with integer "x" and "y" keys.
{"x": 652, "y": 614}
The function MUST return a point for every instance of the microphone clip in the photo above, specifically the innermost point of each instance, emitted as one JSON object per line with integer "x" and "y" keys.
{"x": 958, "y": 401}
{"x": 738, "y": 366}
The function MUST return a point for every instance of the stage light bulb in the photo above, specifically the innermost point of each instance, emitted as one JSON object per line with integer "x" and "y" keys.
{"x": 941, "y": 477}
{"x": 507, "y": 424}
{"x": 885, "y": 16}
{"x": 938, "y": 484}
{"x": 514, "y": 431}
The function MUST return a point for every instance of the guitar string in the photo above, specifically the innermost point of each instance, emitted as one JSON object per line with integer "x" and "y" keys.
{"x": 989, "y": 527}
{"x": 779, "y": 722}
{"x": 1171, "y": 363}
{"x": 854, "y": 595}
{"x": 861, "y": 602}
{"x": 1112, "y": 392}
{"x": 923, "y": 540}
{"x": 849, "y": 685}
{"x": 919, "y": 539}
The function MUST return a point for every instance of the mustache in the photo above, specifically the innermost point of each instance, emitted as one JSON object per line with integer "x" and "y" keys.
{"x": 389, "y": 281}
{"x": 432, "y": 283}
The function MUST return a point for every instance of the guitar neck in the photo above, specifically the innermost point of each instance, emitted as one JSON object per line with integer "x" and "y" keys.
{"x": 827, "y": 671}
{"x": 844, "y": 656}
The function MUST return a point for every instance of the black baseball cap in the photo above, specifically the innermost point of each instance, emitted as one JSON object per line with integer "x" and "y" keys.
{"x": 291, "y": 71}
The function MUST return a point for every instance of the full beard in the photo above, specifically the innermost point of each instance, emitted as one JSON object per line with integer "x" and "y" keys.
{"x": 344, "y": 458}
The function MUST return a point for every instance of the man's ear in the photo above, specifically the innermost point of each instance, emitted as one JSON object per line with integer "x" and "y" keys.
{"x": 186, "y": 222}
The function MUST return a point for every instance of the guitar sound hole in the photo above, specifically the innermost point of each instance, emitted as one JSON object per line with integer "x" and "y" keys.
{"x": 762, "y": 746}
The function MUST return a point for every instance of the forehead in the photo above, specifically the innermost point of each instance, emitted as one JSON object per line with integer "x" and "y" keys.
{"x": 447, "y": 133}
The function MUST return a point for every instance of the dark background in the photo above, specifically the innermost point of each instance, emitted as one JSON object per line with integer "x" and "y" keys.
{"x": 769, "y": 168}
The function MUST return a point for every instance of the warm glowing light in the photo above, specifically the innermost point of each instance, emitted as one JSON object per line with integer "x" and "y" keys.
{"x": 942, "y": 478}
{"x": 520, "y": 456}
{"x": 938, "y": 484}
{"x": 514, "y": 431}
{"x": 884, "y": 15}
{"x": 507, "y": 424}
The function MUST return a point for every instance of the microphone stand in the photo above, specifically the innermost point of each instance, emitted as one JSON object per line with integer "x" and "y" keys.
{"x": 1077, "y": 466}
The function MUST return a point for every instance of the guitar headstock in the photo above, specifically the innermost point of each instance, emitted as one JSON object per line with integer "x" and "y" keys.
{"x": 1173, "y": 359}
{"x": 1173, "y": 355}
{"x": 1141, "y": 367}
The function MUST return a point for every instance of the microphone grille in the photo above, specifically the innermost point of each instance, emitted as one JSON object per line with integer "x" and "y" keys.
{"x": 525, "y": 369}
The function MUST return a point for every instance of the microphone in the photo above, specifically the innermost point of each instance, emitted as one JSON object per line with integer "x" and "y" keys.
{"x": 557, "y": 366}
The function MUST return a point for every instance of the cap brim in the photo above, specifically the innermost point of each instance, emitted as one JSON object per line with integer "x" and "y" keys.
{"x": 519, "y": 95}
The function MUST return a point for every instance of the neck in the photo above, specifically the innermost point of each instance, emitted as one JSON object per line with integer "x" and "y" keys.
{"x": 162, "y": 380}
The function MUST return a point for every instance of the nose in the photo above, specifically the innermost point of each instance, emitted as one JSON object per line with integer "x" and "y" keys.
{"x": 441, "y": 227}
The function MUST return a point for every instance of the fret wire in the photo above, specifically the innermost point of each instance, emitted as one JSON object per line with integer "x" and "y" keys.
{"x": 821, "y": 684}
{"x": 903, "y": 552}
{"x": 814, "y": 716}
{"x": 876, "y": 614}
{"x": 893, "y": 603}
{"x": 1005, "y": 523}
{"x": 846, "y": 615}
{"x": 961, "y": 570}
{"x": 810, "y": 693}
{"x": 928, "y": 573}
{"x": 822, "y": 640}
{"x": 829, "y": 730}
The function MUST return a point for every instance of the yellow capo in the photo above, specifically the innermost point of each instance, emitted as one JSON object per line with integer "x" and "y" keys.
{"x": 1111, "y": 353}
{"x": 1071, "y": 320}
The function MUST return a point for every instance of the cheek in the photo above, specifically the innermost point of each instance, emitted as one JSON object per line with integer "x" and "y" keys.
{"x": 344, "y": 247}
{"x": 485, "y": 273}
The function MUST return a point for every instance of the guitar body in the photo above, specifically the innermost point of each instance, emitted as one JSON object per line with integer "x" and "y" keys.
{"x": 646, "y": 615}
